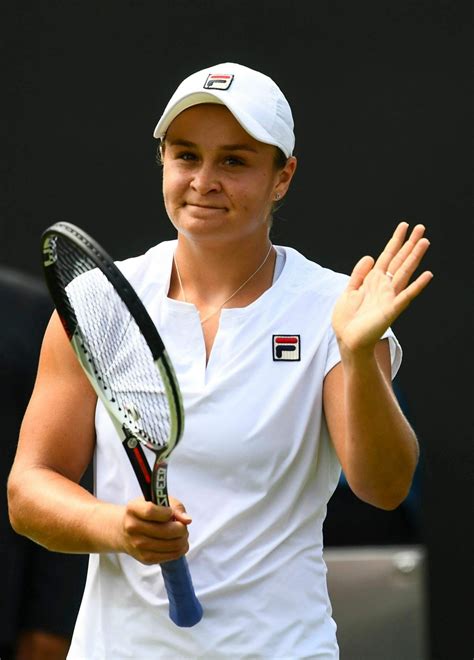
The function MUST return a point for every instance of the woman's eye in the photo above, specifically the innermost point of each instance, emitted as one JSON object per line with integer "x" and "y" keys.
{"x": 233, "y": 161}
{"x": 186, "y": 155}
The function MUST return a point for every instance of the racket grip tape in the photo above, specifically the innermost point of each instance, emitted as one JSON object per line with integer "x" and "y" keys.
{"x": 185, "y": 610}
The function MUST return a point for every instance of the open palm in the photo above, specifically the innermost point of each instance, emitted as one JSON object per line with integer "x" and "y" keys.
{"x": 378, "y": 291}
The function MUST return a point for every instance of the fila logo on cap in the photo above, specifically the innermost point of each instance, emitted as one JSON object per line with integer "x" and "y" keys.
{"x": 217, "y": 81}
{"x": 286, "y": 348}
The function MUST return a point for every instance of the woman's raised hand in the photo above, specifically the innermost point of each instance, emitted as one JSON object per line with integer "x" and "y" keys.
{"x": 379, "y": 291}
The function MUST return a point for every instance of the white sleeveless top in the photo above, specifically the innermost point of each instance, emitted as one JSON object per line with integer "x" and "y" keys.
{"x": 255, "y": 469}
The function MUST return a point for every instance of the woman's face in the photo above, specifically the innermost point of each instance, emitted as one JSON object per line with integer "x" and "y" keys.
{"x": 218, "y": 182}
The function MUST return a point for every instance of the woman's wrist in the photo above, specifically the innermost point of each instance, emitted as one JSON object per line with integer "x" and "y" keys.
{"x": 106, "y": 527}
{"x": 357, "y": 357}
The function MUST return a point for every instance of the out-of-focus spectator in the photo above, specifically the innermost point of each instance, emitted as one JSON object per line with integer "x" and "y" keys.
{"x": 41, "y": 590}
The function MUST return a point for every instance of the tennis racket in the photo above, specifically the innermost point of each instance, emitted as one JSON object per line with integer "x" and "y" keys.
{"x": 121, "y": 352}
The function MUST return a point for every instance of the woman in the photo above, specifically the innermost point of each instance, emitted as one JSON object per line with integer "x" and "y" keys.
{"x": 285, "y": 369}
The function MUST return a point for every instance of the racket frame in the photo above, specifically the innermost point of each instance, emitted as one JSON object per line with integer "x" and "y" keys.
{"x": 136, "y": 308}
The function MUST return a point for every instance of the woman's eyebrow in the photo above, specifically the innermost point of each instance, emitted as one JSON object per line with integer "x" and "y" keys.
{"x": 179, "y": 142}
{"x": 238, "y": 147}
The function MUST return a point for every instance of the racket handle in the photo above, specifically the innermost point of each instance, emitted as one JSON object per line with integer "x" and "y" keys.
{"x": 185, "y": 609}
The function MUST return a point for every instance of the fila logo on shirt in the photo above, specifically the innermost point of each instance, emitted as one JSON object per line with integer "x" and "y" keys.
{"x": 286, "y": 348}
{"x": 218, "y": 81}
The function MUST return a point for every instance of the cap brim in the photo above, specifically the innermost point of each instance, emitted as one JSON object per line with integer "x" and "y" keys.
{"x": 249, "y": 125}
{"x": 170, "y": 113}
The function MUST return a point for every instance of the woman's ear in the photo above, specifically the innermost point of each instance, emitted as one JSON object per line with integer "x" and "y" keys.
{"x": 284, "y": 178}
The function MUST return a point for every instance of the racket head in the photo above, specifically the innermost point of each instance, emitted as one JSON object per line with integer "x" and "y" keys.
{"x": 114, "y": 338}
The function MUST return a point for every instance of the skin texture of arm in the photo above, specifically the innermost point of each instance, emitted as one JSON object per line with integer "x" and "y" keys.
{"x": 376, "y": 446}
{"x": 56, "y": 444}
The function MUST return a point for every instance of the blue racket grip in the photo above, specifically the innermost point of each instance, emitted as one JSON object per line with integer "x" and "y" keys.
{"x": 185, "y": 609}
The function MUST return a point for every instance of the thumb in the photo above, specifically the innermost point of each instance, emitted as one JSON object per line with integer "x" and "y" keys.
{"x": 179, "y": 511}
{"x": 359, "y": 273}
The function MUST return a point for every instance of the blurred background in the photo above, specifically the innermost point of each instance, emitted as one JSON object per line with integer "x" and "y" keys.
{"x": 382, "y": 100}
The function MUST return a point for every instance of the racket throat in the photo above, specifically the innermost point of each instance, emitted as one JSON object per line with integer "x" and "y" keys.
{"x": 138, "y": 462}
{"x": 160, "y": 483}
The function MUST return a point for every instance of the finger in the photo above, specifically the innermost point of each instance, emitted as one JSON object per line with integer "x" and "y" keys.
{"x": 406, "y": 296}
{"x": 179, "y": 511}
{"x": 181, "y": 516}
{"x": 135, "y": 527}
{"x": 151, "y": 512}
{"x": 410, "y": 264}
{"x": 146, "y": 510}
{"x": 161, "y": 546}
{"x": 406, "y": 248}
{"x": 359, "y": 273}
{"x": 151, "y": 556}
{"x": 392, "y": 247}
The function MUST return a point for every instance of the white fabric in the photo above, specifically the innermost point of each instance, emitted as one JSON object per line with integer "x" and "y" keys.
{"x": 279, "y": 263}
{"x": 255, "y": 469}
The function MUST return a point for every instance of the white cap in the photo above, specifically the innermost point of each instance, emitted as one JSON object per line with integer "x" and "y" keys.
{"x": 253, "y": 98}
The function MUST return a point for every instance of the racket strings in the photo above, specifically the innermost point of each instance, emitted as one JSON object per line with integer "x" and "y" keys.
{"x": 114, "y": 346}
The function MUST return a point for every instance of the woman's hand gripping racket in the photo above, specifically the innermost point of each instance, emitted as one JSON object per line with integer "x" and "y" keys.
{"x": 123, "y": 355}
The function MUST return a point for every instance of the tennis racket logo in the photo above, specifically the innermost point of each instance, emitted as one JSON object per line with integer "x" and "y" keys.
{"x": 160, "y": 483}
{"x": 286, "y": 348}
{"x": 49, "y": 251}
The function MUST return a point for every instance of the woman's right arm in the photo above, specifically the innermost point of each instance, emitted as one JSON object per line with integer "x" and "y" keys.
{"x": 56, "y": 444}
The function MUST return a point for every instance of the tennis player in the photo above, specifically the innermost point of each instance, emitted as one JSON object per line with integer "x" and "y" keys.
{"x": 285, "y": 368}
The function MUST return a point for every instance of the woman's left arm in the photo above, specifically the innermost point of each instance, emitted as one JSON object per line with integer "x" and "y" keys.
{"x": 376, "y": 445}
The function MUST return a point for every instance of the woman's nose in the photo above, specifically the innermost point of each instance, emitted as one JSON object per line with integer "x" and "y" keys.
{"x": 205, "y": 179}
